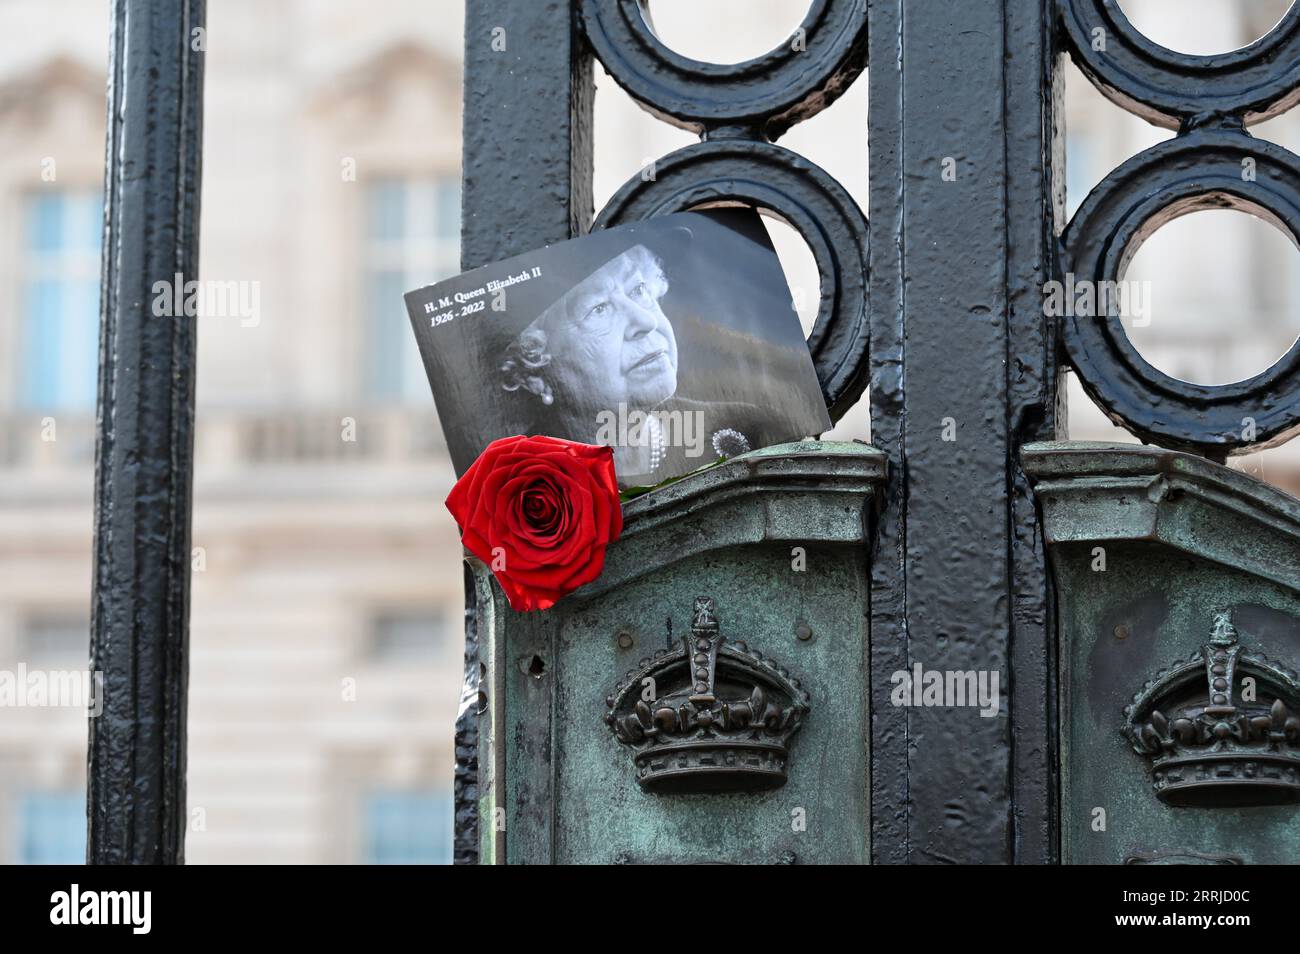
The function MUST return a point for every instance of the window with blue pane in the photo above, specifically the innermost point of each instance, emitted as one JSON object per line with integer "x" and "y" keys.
{"x": 408, "y": 828}
{"x": 60, "y": 300}
{"x": 52, "y": 828}
{"x": 412, "y": 239}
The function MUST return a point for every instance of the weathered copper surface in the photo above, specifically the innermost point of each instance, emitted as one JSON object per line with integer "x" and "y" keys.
{"x": 1177, "y": 580}
{"x": 775, "y": 542}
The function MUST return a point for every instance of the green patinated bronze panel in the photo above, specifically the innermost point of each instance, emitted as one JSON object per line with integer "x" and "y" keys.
{"x": 777, "y": 541}
{"x": 1177, "y": 581}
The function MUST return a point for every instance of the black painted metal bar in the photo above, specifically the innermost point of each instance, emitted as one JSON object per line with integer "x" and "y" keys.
{"x": 888, "y": 635}
{"x": 962, "y": 371}
{"x": 1035, "y": 203}
{"x": 527, "y": 182}
{"x": 144, "y": 452}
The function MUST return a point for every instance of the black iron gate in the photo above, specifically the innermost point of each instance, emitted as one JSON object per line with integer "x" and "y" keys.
{"x": 965, "y": 225}
{"x": 951, "y": 334}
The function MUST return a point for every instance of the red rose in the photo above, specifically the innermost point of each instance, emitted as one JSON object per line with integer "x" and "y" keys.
{"x": 539, "y": 511}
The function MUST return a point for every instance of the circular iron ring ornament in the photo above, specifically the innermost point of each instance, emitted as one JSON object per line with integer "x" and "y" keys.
{"x": 1174, "y": 89}
{"x": 772, "y": 178}
{"x": 1205, "y": 169}
{"x": 770, "y": 93}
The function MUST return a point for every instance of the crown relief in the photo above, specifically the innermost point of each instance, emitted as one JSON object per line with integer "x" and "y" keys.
{"x": 1206, "y": 746}
{"x": 722, "y": 718}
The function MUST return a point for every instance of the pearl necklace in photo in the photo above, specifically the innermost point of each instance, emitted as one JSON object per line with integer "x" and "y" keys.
{"x": 657, "y": 448}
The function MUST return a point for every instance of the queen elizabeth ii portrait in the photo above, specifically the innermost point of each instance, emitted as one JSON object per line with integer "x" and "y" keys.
{"x": 600, "y": 366}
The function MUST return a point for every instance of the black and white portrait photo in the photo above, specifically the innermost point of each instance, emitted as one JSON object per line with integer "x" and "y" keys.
{"x": 673, "y": 340}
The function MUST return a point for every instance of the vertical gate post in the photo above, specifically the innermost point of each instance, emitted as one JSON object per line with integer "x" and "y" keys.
{"x": 144, "y": 450}
{"x": 1036, "y": 410}
{"x": 527, "y": 183}
{"x": 963, "y": 372}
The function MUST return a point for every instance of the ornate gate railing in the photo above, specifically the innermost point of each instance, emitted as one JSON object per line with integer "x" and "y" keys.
{"x": 953, "y": 321}
{"x": 966, "y": 208}
{"x": 1212, "y": 163}
{"x": 1178, "y": 580}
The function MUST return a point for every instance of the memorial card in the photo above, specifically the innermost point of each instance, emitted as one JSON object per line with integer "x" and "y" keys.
{"x": 672, "y": 340}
